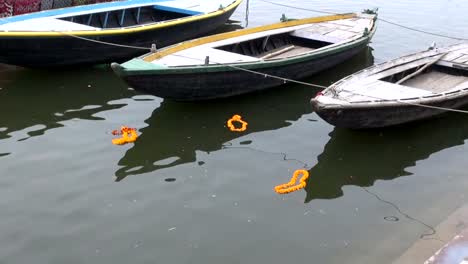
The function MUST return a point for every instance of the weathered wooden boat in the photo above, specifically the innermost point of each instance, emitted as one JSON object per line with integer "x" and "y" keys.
{"x": 406, "y": 89}
{"x": 222, "y": 65}
{"x": 75, "y": 35}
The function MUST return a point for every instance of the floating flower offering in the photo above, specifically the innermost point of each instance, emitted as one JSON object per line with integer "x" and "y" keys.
{"x": 129, "y": 135}
{"x": 237, "y": 118}
{"x": 290, "y": 187}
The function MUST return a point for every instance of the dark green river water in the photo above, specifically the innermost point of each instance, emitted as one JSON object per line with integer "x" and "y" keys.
{"x": 67, "y": 195}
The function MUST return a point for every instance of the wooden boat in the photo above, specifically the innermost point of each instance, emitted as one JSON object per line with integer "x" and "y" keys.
{"x": 221, "y": 65}
{"x": 74, "y": 35}
{"x": 399, "y": 91}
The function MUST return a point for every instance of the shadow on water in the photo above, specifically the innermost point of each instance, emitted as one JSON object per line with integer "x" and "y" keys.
{"x": 362, "y": 157}
{"x": 30, "y": 97}
{"x": 39, "y": 97}
{"x": 176, "y": 131}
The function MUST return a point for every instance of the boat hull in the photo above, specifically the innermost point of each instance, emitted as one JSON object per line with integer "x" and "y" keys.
{"x": 365, "y": 116}
{"x": 55, "y": 51}
{"x": 228, "y": 81}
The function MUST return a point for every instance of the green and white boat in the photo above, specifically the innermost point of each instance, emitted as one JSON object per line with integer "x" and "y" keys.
{"x": 238, "y": 62}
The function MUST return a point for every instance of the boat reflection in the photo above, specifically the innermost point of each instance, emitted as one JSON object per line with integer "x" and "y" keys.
{"x": 37, "y": 97}
{"x": 176, "y": 131}
{"x": 362, "y": 157}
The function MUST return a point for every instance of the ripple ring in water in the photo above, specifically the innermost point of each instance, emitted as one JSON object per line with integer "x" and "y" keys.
{"x": 391, "y": 218}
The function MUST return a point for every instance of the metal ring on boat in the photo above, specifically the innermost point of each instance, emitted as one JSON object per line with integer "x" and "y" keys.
{"x": 290, "y": 187}
{"x": 237, "y": 118}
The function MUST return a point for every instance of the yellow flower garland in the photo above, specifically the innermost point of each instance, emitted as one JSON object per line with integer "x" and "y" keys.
{"x": 290, "y": 187}
{"x": 237, "y": 118}
{"x": 125, "y": 131}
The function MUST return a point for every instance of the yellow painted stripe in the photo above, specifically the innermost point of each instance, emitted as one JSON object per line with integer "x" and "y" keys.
{"x": 122, "y": 30}
{"x": 238, "y": 33}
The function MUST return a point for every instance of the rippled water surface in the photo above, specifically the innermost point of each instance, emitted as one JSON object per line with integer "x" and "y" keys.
{"x": 189, "y": 191}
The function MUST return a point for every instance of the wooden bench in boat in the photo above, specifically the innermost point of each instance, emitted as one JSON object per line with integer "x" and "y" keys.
{"x": 436, "y": 82}
{"x": 380, "y": 90}
{"x": 269, "y": 45}
{"x": 198, "y": 56}
{"x": 305, "y": 34}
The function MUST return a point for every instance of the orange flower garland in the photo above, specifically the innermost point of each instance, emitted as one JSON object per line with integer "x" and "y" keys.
{"x": 237, "y": 118}
{"x": 290, "y": 187}
{"x": 128, "y": 135}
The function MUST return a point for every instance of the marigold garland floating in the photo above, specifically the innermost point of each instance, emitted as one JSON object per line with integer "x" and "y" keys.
{"x": 290, "y": 187}
{"x": 129, "y": 135}
{"x": 237, "y": 118}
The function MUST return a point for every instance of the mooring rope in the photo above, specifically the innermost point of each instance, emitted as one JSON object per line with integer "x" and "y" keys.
{"x": 421, "y": 31}
{"x": 299, "y": 8}
{"x": 422, "y": 236}
{"x": 103, "y": 42}
{"x": 285, "y": 80}
{"x": 378, "y": 18}
{"x": 305, "y": 166}
{"x": 408, "y": 103}
{"x": 324, "y": 87}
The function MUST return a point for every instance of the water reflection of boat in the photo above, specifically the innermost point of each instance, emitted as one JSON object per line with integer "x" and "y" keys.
{"x": 30, "y": 98}
{"x": 176, "y": 131}
{"x": 361, "y": 157}
{"x": 48, "y": 96}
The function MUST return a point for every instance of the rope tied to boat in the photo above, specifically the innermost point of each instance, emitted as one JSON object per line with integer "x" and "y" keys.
{"x": 104, "y": 42}
{"x": 286, "y": 80}
{"x": 379, "y": 18}
{"x": 408, "y": 103}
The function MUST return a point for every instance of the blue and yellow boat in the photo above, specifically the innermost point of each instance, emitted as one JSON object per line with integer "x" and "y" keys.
{"x": 78, "y": 35}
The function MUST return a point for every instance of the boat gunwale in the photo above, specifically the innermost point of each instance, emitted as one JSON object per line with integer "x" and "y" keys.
{"x": 124, "y": 30}
{"x": 384, "y": 103}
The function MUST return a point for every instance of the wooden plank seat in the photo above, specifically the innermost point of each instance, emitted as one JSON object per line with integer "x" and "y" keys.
{"x": 380, "y": 90}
